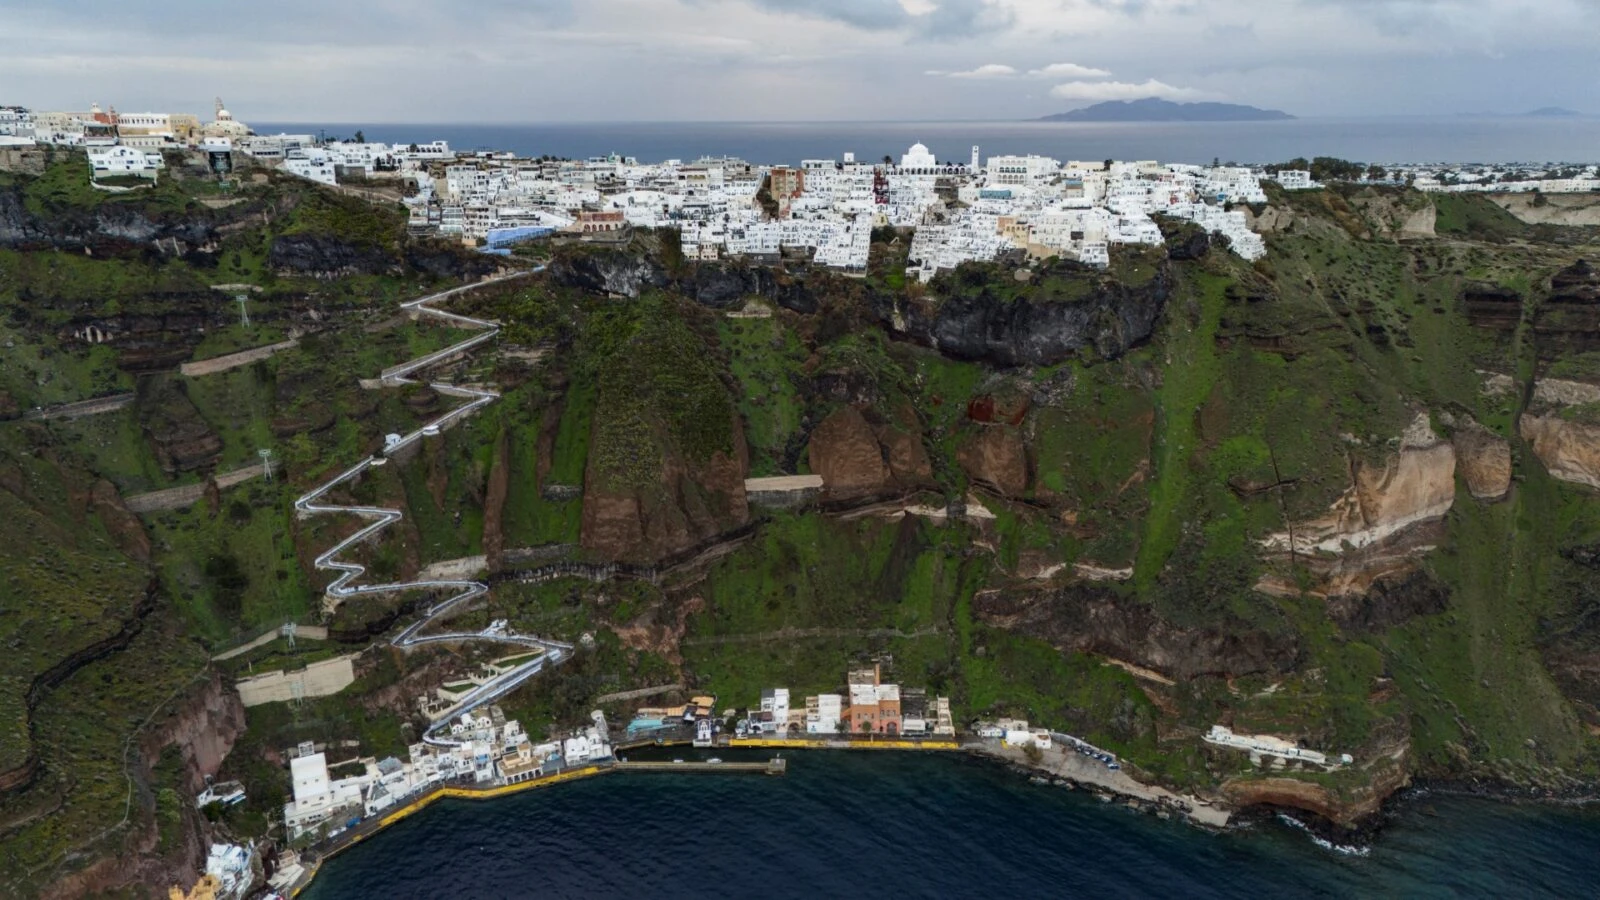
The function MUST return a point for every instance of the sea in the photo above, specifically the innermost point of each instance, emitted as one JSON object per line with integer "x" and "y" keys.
{"x": 1388, "y": 141}
{"x": 875, "y": 824}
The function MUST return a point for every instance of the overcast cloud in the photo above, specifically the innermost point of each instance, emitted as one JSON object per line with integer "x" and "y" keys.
{"x": 574, "y": 60}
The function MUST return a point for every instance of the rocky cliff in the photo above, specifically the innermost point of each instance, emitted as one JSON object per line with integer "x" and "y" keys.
{"x": 972, "y": 314}
{"x": 1095, "y": 619}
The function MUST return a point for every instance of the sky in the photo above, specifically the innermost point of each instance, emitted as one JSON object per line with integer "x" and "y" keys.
{"x": 520, "y": 61}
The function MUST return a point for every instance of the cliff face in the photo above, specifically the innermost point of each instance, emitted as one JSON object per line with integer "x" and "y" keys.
{"x": 203, "y": 729}
{"x": 1092, "y": 619}
{"x": 107, "y": 228}
{"x": 685, "y": 506}
{"x": 976, "y": 323}
{"x": 1569, "y": 450}
{"x": 1413, "y": 485}
{"x": 608, "y": 271}
{"x": 328, "y": 257}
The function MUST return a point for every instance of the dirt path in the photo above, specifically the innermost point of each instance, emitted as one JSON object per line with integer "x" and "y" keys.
{"x": 791, "y": 634}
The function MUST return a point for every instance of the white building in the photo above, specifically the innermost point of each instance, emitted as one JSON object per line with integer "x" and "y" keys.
{"x": 316, "y": 798}
{"x": 1020, "y": 170}
{"x": 1295, "y": 180}
{"x": 232, "y": 866}
{"x": 1265, "y": 745}
{"x": 313, "y": 164}
{"x": 17, "y": 122}
{"x": 823, "y": 713}
{"x": 119, "y": 160}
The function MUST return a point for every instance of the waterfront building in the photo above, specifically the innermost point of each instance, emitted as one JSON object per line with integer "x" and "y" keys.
{"x": 317, "y": 799}
{"x": 1267, "y": 745}
{"x": 233, "y": 868}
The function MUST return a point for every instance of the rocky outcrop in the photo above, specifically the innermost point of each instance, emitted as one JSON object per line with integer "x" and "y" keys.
{"x": 1414, "y": 484}
{"x": 179, "y": 436}
{"x": 608, "y": 270}
{"x": 1567, "y": 322}
{"x": 1569, "y": 450}
{"x": 688, "y": 506}
{"x": 973, "y": 319}
{"x": 1550, "y": 209}
{"x": 106, "y": 229}
{"x": 1096, "y": 619}
{"x": 1484, "y": 459}
{"x": 449, "y": 261}
{"x": 203, "y": 728}
{"x": 1389, "y": 601}
{"x": 660, "y": 629}
{"x": 1492, "y": 306}
{"x": 328, "y": 257}
{"x": 997, "y": 458}
{"x": 125, "y": 529}
{"x": 846, "y": 453}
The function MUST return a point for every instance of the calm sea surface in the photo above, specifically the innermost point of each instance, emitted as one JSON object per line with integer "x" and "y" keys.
{"x": 1389, "y": 140}
{"x": 846, "y": 824}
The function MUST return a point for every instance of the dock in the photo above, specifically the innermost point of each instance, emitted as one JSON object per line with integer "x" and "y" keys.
{"x": 777, "y": 766}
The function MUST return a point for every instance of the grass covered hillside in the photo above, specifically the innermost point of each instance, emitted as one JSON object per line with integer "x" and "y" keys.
{"x": 1344, "y": 495}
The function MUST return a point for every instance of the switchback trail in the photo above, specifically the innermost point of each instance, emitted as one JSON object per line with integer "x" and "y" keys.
{"x": 462, "y": 592}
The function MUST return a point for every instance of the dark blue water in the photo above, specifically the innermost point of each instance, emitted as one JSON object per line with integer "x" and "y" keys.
{"x": 1394, "y": 140}
{"x": 859, "y": 824}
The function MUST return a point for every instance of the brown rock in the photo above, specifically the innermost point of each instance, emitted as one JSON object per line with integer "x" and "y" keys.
{"x": 126, "y": 531}
{"x": 1569, "y": 450}
{"x": 845, "y": 452}
{"x": 1417, "y": 484}
{"x": 1485, "y": 462}
{"x": 908, "y": 461}
{"x": 690, "y": 505}
{"x": 996, "y": 457}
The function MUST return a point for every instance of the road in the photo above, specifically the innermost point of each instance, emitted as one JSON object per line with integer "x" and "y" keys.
{"x": 461, "y": 592}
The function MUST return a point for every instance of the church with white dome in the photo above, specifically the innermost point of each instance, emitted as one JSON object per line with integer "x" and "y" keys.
{"x": 225, "y": 125}
{"x": 919, "y": 160}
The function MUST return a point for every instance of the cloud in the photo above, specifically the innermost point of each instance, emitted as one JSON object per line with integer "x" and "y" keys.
{"x": 1096, "y": 91}
{"x": 1069, "y": 70}
{"x": 991, "y": 70}
{"x": 939, "y": 19}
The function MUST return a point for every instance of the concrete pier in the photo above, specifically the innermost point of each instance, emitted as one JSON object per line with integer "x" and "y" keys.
{"x": 778, "y": 766}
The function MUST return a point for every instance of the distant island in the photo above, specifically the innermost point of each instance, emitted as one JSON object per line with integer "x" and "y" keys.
{"x": 1552, "y": 112}
{"x": 1154, "y": 109}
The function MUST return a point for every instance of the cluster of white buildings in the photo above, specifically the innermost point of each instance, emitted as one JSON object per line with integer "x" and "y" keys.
{"x": 869, "y": 706}
{"x": 1505, "y": 179}
{"x": 1015, "y": 733}
{"x": 482, "y": 747}
{"x": 825, "y": 209}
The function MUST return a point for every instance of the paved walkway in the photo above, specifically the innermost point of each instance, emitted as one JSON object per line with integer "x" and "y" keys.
{"x": 306, "y": 632}
{"x": 234, "y": 360}
{"x": 179, "y": 497}
{"x": 81, "y": 408}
